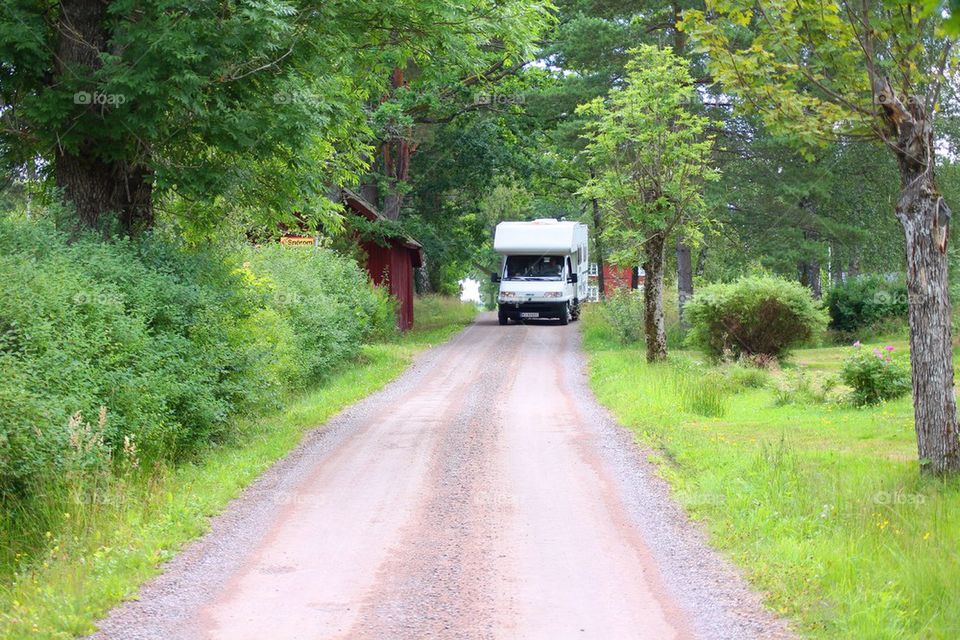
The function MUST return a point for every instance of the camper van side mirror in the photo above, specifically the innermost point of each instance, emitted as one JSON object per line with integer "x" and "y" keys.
{"x": 573, "y": 278}
{"x": 494, "y": 277}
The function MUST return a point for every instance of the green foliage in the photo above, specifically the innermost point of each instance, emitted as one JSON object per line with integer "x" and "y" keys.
{"x": 805, "y": 67}
{"x": 650, "y": 152}
{"x": 875, "y": 376}
{"x": 146, "y": 344}
{"x": 249, "y": 110}
{"x": 864, "y": 301}
{"x": 753, "y": 316}
{"x": 624, "y": 311}
{"x": 327, "y": 302}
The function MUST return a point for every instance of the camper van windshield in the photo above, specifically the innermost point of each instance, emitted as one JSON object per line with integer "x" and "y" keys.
{"x": 534, "y": 267}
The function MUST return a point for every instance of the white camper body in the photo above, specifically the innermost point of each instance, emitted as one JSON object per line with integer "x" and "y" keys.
{"x": 543, "y": 273}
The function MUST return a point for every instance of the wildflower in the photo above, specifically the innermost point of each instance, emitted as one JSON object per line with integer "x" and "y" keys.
{"x": 926, "y": 536}
{"x": 888, "y": 348}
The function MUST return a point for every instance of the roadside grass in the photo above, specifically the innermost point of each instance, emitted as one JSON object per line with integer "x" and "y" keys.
{"x": 821, "y": 504}
{"x": 437, "y": 312}
{"x": 113, "y": 540}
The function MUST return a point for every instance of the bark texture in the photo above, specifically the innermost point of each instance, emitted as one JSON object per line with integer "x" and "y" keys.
{"x": 925, "y": 219}
{"x": 97, "y": 186}
{"x": 809, "y": 273}
{"x": 654, "y": 330}
{"x": 598, "y": 246}
{"x": 395, "y": 156}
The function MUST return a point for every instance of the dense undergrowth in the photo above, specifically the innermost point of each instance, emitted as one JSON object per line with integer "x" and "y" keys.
{"x": 118, "y": 357}
{"x": 142, "y": 385}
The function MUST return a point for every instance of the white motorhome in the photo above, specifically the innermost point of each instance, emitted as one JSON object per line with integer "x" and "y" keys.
{"x": 544, "y": 269}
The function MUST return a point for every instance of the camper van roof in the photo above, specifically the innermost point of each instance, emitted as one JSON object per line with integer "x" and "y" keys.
{"x": 539, "y": 237}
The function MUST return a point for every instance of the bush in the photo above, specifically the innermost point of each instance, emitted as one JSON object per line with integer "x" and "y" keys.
{"x": 326, "y": 300}
{"x": 754, "y": 316}
{"x": 865, "y": 301}
{"x": 875, "y": 376}
{"x": 146, "y": 343}
{"x": 623, "y": 309}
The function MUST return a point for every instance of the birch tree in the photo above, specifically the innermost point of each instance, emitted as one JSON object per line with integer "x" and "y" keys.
{"x": 650, "y": 158}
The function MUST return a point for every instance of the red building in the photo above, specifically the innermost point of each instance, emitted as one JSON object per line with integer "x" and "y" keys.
{"x": 615, "y": 277}
{"x": 390, "y": 262}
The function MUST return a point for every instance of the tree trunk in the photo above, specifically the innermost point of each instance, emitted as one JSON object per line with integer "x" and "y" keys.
{"x": 95, "y": 185}
{"x": 810, "y": 277}
{"x": 925, "y": 219}
{"x": 654, "y": 329}
{"x": 684, "y": 259}
{"x": 935, "y": 410}
{"x": 598, "y": 245}
{"x": 684, "y": 277}
{"x": 98, "y": 188}
{"x": 396, "y": 152}
{"x": 836, "y": 267}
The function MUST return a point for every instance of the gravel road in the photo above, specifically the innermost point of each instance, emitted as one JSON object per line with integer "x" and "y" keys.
{"x": 483, "y": 494}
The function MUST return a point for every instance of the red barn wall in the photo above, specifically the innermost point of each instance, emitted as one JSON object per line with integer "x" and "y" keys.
{"x": 392, "y": 267}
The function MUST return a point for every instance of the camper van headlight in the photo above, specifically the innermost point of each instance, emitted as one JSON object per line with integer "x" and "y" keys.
{"x": 552, "y": 294}
{"x": 508, "y": 295}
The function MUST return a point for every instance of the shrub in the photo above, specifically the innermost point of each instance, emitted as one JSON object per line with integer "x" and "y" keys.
{"x": 754, "y": 316}
{"x": 865, "y": 301}
{"x": 875, "y": 376}
{"x": 158, "y": 345}
{"x": 623, "y": 309}
{"x": 327, "y": 301}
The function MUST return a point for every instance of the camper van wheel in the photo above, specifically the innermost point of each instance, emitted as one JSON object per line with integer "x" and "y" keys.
{"x": 502, "y": 317}
{"x": 565, "y": 315}
{"x": 575, "y": 314}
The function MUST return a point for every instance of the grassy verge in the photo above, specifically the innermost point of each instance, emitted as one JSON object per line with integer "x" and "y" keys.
{"x": 111, "y": 543}
{"x": 820, "y": 503}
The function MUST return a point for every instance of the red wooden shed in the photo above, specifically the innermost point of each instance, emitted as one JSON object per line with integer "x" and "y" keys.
{"x": 391, "y": 263}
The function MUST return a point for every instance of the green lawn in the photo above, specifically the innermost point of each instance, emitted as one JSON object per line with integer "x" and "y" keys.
{"x": 107, "y": 549}
{"x": 821, "y": 504}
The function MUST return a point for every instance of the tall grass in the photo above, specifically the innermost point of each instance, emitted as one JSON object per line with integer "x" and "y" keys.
{"x": 821, "y": 504}
{"x": 436, "y": 311}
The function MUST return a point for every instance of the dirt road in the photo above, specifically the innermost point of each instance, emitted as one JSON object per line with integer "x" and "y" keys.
{"x": 482, "y": 495}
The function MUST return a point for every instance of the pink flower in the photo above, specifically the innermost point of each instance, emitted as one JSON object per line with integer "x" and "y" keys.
{"x": 888, "y": 348}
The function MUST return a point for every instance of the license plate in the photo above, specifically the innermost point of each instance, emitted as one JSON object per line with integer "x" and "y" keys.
{"x": 529, "y": 314}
